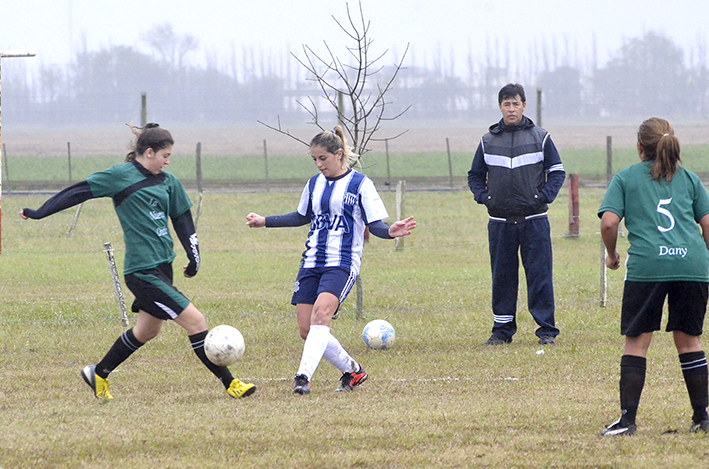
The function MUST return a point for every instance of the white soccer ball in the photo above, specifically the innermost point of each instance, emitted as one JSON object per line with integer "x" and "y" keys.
{"x": 378, "y": 335}
{"x": 224, "y": 345}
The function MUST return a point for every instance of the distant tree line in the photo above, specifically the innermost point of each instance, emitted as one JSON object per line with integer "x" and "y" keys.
{"x": 647, "y": 75}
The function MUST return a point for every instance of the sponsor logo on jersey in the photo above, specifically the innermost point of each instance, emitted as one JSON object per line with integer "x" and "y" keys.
{"x": 668, "y": 251}
{"x": 162, "y": 232}
{"x": 157, "y": 215}
{"x": 325, "y": 221}
{"x": 154, "y": 203}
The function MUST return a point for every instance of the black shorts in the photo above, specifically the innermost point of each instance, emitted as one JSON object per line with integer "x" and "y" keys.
{"x": 155, "y": 294}
{"x": 643, "y": 303}
{"x": 313, "y": 281}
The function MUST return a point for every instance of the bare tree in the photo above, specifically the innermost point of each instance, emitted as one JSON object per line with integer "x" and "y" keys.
{"x": 171, "y": 47}
{"x": 354, "y": 82}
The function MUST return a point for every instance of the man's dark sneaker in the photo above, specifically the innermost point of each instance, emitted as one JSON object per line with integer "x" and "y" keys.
{"x": 301, "y": 385}
{"x": 547, "y": 340}
{"x": 350, "y": 380}
{"x": 494, "y": 340}
{"x": 701, "y": 426}
{"x": 617, "y": 428}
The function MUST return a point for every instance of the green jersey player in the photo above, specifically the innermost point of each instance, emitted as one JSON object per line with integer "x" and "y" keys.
{"x": 145, "y": 197}
{"x": 666, "y": 211}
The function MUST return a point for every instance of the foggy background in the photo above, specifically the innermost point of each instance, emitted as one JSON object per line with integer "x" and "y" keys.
{"x": 230, "y": 62}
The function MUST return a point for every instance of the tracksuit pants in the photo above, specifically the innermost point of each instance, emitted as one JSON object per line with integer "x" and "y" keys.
{"x": 530, "y": 239}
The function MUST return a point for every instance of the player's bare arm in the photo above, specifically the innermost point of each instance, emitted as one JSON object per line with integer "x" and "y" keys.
{"x": 609, "y": 233}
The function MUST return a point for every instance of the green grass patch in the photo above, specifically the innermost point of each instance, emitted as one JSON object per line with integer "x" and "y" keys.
{"x": 438, "y": 398}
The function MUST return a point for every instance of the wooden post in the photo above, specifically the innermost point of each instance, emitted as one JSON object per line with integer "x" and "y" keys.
{"x": 143, "y": 108}
{"x": 360, "y": 298}
{"x": 573, "y": 205}
{"x": 3, "y": 164}
{"x": 400, "y": 193}
{"x": 198, "y": 166}
{"x": 388, "y": 181}
{"x": 539, "y": 107}
{"x": 604, "y": 276}
{"x": 450, "y": 164}
{"x": 609, "y": 159}
{"x": 4, "y": 54}
{"x": 265, "y": 163}
{"x": 68, "y": 153}
{"x": 200, "y": 186}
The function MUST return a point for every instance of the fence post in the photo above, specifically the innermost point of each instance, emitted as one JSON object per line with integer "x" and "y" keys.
{"x": 573, "y": 205}
{"x": 609, "y": 159}
{"x": 4, "y": 164}
{"x": 68, "y": 153}
{"x": 265, "y": 162}
{"x": 450, "y": 164}
{"x": 360, "y": 298}
{"x": 400, "y": 193}
{"x": 539, "y": 107}
{"x": 198, "y": 166}
{"x": 200, "y": 186}
{"x": 604, "y": 276}
{"x": 388, "y": 181}
{"x": 143, "y": 108}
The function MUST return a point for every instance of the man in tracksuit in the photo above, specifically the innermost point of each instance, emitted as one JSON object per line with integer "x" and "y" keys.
{"x": 516, "y": 173}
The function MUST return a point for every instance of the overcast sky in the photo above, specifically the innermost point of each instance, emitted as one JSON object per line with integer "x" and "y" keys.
{"x": 56, "y": 28}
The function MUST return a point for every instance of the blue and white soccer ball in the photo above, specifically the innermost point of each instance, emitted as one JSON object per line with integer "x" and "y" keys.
{"x": 224, "y": 345}
{"x": 379, "y": 335}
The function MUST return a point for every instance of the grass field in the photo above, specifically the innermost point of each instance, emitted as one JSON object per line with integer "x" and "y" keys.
{"x": 437, "y": 399}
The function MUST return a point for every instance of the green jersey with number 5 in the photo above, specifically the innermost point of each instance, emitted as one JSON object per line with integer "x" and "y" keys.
{"x": 666, "y": 243}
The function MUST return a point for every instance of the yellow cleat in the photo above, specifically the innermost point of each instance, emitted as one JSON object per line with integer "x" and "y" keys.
{"x": 238, "y": 389}
{"x": 99, "y": 385}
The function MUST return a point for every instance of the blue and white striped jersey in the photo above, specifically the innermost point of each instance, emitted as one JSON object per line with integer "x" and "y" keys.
{"x": 339, "y": 211}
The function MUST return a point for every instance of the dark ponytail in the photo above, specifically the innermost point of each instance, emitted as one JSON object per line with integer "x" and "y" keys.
{"x": 659, "y": 144}
{"x": 150, "y": 136}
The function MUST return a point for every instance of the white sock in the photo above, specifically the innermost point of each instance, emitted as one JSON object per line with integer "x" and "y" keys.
{"x": 313, "y": 349}
{"x": 338, "y": 356}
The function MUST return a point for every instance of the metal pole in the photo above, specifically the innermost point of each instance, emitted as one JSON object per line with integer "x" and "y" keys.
{"x": 116, "y": 284}
{"x": 4, "y": 54}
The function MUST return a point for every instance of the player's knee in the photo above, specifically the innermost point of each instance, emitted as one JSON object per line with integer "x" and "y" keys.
{"x": 304, "y": 332}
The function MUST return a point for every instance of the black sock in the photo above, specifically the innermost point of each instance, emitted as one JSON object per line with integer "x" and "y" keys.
{"x": 632, "y": 380}
{"x": 122, "y": 348}
{"x": 221, "y": 372}
{"x": 694, "y": 369}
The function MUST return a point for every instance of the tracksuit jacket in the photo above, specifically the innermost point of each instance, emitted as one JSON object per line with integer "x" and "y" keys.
{"x": 516, "y": 171}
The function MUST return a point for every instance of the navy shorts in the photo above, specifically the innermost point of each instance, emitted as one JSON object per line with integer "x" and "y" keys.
{"x": 155, "y": 294}
{"x": 643, "y": 303}
{"x": 311, "y": 282}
